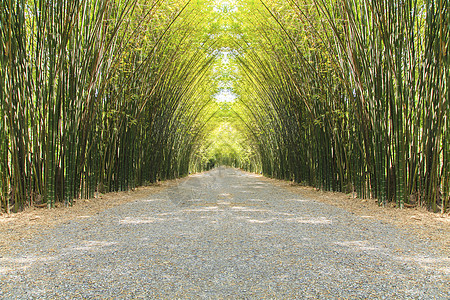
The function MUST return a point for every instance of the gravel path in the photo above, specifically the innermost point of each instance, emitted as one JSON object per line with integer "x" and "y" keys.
{"x": 225, "y": 234}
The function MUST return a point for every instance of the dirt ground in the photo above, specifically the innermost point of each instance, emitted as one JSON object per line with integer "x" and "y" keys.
{"x": 418, "y": 221}
{"x": 25, "y": 224}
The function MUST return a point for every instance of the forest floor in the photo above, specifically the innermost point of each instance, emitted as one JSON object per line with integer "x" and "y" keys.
{"x": 417, "y": 220}
{"x": 34, "y": 220}
{"x": 225, "y": 234}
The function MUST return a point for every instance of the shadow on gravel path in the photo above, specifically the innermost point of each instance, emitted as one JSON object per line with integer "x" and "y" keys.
{"x": 225, "y": 234}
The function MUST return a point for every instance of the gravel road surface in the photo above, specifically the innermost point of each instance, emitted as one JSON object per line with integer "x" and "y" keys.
{"x": 225, "y": 234}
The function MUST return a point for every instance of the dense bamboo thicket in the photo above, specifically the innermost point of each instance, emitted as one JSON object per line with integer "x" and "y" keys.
{"x": 349, "y": 95}
{"x": 344, "y": 95}
{"x": 98, "y": 96}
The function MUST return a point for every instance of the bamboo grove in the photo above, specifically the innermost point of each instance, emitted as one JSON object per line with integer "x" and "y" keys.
{"x": 349, "y": 95}
{"x": 107, "y": 95}
{"x": 98, "y": 96}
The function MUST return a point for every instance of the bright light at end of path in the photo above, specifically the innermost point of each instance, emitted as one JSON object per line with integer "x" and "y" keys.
{"x": 228, "y": 5}
{"x": 225, "y": 95}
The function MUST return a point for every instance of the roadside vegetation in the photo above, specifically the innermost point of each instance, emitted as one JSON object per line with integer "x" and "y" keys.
{"x": 349, "y": 96}
{"x": 101, "y": 96}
